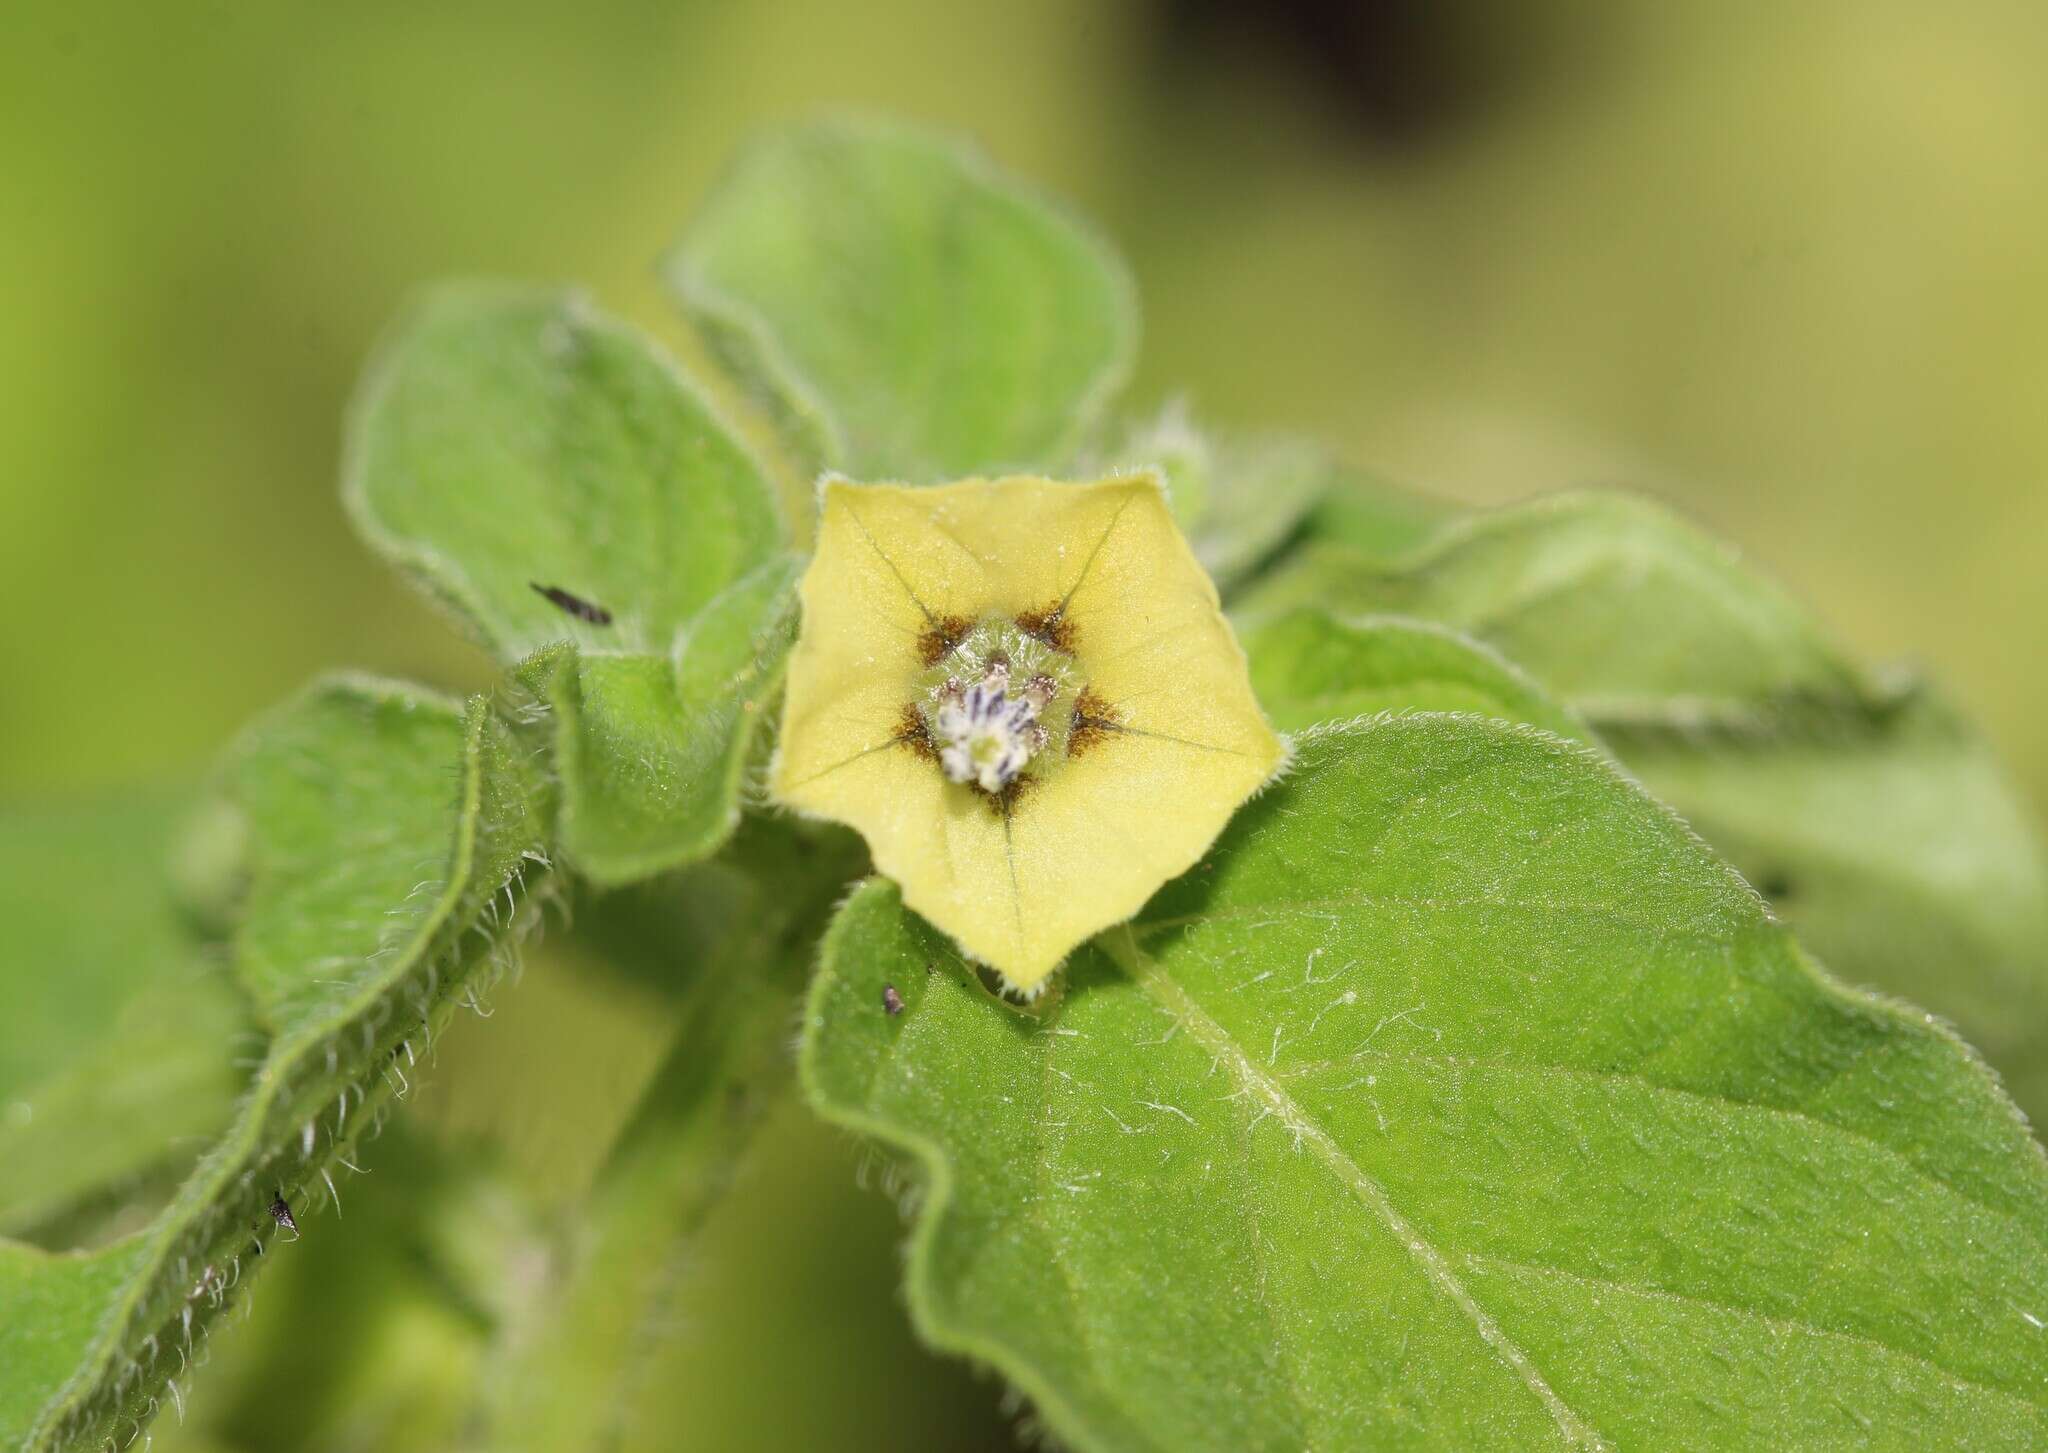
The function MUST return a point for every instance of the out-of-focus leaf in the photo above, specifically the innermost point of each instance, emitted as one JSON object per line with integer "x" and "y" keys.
{"x": 1237, "y": 500}
{"x": 906, "y": 311}
{"x": 1619, "y": 608}
{"x": 509, "y": 436}
{"x": 1460, "y": 1099}
{"x": 51, "y": 1302}
{"x": 373, "y": 1339}
{"x": 389, "y": 837}
{"x": 1366, "y": 514}
{"x": 1894, "y": 844}
{"x": 1309, "y": 666}
{"x": 511, "y": 441}
{"x": 118, "y": 1040}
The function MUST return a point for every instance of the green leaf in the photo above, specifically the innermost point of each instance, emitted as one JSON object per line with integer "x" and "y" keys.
{"x": 1237, "y": 499}
{"x": 905, "y": 310}
{"x": 511, "y": 438}
{"x": 1309, "y": 666}
{"x": 389, "y": 838}
{"x": 507, "y": 436}
{"x": 1616, "y": 606}
{"x": 1895, "y": 846}
{"x": 1461, "y": 1099}
{"x": 1910, "y": 863}
{"x": 1373, "y": 517}
{"x": 49, "y": 1306}
{"x": 652, "y": 750}
{"x": 117, "y": 1045}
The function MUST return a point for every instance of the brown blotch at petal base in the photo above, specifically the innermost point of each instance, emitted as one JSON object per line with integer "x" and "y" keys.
{"x": 1094, "y": 719}
{"x": 912, "y": 732}
{"x": 940, "y": 637}
{"x": 1050, "y": 625}
{"x": 1003, "y": 803}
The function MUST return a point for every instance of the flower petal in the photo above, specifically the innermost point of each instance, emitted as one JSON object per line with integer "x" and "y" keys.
{"x": 1165, "y": 741}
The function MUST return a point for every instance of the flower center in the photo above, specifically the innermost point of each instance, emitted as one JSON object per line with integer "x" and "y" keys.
{"x": 986, "y": 732}
{"x": 999, "y": 697}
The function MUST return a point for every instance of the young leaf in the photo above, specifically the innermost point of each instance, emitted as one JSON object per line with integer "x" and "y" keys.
{"x": 118, "y": 1042}
{"x": 1309, "y": 666}
{"x": 1237, "y": 499}
{"x": 907, "y": 311}
{"x": 389, "y": 837}
{"x": 1366, "y": 514}
{"x": 650, "y": 749}
{"x": 1617, "y": 607}
{"x": 1461, "y": 1099}
{"x": 550, "y": 475}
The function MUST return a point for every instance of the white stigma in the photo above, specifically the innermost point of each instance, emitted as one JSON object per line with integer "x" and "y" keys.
{"x": 985, "y": 734}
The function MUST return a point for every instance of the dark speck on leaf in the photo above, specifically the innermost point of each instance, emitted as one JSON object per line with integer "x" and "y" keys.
{"x": 281, "y": 1213}
{"x": 583, "y": 610}
{"x": 892, "y": 1002}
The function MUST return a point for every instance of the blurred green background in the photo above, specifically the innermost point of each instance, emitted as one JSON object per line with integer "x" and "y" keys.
{"x": 1779, "y": 264}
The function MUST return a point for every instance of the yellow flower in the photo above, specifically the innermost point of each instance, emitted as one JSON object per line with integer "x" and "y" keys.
{"x": 1024, "y": 695}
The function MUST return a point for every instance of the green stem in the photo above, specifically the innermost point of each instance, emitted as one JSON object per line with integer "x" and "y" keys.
{"x": 744, "y": 928}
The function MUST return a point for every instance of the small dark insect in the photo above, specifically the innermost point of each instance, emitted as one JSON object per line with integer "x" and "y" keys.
{"x": 892, "y": 1002}
{"x": 575, "y": 605}
{"x": 282, "y": 1214}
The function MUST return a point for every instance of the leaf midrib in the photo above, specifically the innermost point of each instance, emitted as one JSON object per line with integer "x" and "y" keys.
{"x": 1160, "y": 986}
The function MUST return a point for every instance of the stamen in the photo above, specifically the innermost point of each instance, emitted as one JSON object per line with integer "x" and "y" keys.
{"x": 984, "y": 734}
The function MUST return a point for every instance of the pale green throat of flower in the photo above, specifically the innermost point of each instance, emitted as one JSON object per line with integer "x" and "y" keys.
{"x": 998, "y": 697}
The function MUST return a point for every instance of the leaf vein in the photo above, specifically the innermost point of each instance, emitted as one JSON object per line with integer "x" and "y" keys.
{"x": 1161, "y": 987}
{"x": 1707, "y": 1098}
{"x": 1774, "y": 1323}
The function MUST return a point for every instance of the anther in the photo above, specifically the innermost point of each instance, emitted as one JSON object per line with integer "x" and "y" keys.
{"x": 984, "y": 735}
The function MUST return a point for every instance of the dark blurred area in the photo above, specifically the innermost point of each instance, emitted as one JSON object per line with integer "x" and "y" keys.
{"x": 1402, "y": 76}
{"x": 1780, "y": 265}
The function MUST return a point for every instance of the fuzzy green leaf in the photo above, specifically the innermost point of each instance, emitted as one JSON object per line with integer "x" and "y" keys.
{"x": 1460, "y": 1099}
{"x": 1309, "y": 666}
{"x": 118, "y": 1042}
{"x": 50, "y": 1306}
{"x": 651, "y": 750}
{"x": 1897, "y": 849}
{"x": 1366, "y": 514}
{"x": 1619, "y": 608}
{"x": 389, "y": 838}
{"x": 1237, "y": 499}
{"x": 906, "y": 310}
{"x": 1910, "y": 862}
{"x": 511, "y": 438}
